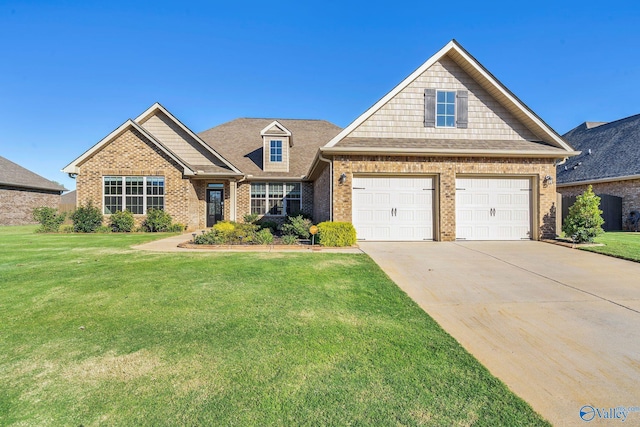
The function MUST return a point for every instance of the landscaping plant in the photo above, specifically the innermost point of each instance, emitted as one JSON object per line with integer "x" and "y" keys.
{"x": 297, "y": 226}
{"x": 49, "y": 219}
{"x": 121, "y": 222}
{"x": 584, "y": 222}
{"x": 336, "y": 234}
{"x": 157, "y": 220}
{"x": 86, "y": 219}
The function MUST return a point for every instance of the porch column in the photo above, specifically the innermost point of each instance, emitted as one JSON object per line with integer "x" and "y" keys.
{"x": 232, "y": 200}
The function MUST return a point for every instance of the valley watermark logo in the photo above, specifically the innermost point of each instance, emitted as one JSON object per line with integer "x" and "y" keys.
{"x": 619, "y": 413}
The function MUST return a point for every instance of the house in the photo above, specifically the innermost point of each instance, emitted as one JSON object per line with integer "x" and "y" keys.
{"x": 449, "y": 153}
{"x": 609, "y": 161}
{"x": 21, "y": 191}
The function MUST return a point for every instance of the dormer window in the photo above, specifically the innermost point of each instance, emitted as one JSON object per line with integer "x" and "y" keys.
{"x": 275, "y": 150}
{"x": 276, "y": 147}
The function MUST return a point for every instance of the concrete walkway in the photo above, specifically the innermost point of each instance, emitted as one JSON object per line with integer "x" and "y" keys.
{"x": 561, "y": 327}
{"x": 170, "y": 244}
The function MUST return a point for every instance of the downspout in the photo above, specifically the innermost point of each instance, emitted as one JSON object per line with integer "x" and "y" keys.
{"x": 330, "y": 184}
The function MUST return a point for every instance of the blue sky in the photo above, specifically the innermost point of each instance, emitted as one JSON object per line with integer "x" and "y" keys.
{"x": 71, "y": 72}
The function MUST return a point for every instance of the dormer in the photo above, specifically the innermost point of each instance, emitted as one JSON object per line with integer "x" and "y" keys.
{"x": 276, "y": 142}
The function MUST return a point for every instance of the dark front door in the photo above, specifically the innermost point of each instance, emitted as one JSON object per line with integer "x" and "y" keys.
{"x": 215, "y": 206}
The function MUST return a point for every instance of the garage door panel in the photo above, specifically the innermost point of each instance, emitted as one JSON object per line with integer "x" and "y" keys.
{"x": 493, "y": 208}
{"x": 393, "y": 208}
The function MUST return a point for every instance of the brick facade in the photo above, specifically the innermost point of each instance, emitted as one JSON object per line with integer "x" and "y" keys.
{"x": 446, "y": 169}
{"x": 322, "y": 196}
{"x": 629, "y": 190}
{"x": 18, "y": 204}
{"x": 130, "y": 154}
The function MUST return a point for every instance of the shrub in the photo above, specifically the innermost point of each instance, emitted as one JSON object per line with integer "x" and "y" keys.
{"x": 297, "y": 226}
{"x": 49, "y": 219}
{"x": 209, "y": 238}
{"x": 243, "y": 233}
{"x": 289, "y": 239}
{"x": 336, "y": 234}
{"x": 264, "y": 237}
{"x": 86, "y": 219}
{"x": 584, "y": 221}
{"x": 229, "y": 233}
{"x": 251, "y": 218}
{"x": 176, "y": 228}
{"x": 121, "y": 222}
{"x": 271, "y": 225}
{"x": 157, "y": 220}
{"x": 223, "y": 227}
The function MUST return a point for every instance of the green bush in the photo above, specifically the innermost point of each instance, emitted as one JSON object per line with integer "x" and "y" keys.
{"x": 251, "y": 218}
{"x": 336, "y": 234}
{"x": 229, "y": 233}
{"x": 584, "y": 222}
{"x": 157, "y": 221}
{"x": 121, "y": 222}
{"x": 264, "y": 237}
{"x": 176, "y": 228}
{"x": 271, "y": 225}
{"x": 297, "y": 226}
{"x": 49, "y": 219}
{"x": 86, "y": 219}
{"x": 289, "y": 239}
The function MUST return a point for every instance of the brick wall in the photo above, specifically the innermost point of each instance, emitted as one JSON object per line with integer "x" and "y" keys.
{"x": 130, "y": 154}
{"x": 629, "y": 190}
{"x": 322, "y": 196}
{"x": 17, "y": 204}
{"x": 446, "y": 170}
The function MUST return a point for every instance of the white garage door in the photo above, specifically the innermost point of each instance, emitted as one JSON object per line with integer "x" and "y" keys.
{"x": 391, "y": 208}
{"x": 493, "y": 208}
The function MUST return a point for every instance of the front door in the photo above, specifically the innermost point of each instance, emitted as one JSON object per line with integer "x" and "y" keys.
{"x": 215, "y": 206}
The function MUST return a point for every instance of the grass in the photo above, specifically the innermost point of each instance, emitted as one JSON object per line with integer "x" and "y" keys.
{"x": 625, "y": 245}
{"x": 93, "y": 332}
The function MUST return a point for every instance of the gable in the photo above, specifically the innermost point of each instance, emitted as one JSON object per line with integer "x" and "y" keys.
{"x": 176, "y": 139}
{"x": 485, "y": 110}
{"x": 403, "y": 115}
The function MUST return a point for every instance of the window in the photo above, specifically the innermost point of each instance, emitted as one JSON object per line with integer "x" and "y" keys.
{"x": 446, "y": 109}
{"x": 276, "y": 198}
{"x": 275, "y": 150}
{"x": 137, "y": 194}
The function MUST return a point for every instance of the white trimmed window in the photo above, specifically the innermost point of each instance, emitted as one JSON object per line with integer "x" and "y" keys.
{"x": 137, "y": 194}
{"x": 446, "y": 109}
{"x": 275, "y": 150}
{"x": 276, "y": 198}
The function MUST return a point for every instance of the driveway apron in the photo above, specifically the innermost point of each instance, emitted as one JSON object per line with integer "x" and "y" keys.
{"x": 560, "y": 327}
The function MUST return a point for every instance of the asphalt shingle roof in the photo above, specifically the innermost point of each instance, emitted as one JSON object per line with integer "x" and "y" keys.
{"x": 615, "y": 151}
{"x": 14, "y": 175}
{"x": 443, "y": 144}
{"x": 239, "y": 141}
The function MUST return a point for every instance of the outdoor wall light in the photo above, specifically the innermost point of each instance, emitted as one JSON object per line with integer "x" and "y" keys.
{"x": 342, "y": 179}
{"x": 547, "y": 180}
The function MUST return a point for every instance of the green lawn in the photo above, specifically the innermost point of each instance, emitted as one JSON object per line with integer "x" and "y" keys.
{"x": 620, "y": 244}
{"x": 92, "y": 332}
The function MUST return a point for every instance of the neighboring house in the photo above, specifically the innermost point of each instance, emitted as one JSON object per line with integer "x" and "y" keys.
{"x": 21, "y": 191}
{"x": 449, "y": 153}
{"x": 609, "y": 161}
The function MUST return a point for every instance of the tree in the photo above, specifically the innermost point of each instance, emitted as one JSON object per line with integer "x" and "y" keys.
{"x": 584, "y": 221}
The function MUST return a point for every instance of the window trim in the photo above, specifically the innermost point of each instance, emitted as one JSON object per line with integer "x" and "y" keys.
{"x": 445, "y": 115}
{"x": 273, "y": 151}
{"x": 267, "y": 199}
{"x": 147, "y": 183}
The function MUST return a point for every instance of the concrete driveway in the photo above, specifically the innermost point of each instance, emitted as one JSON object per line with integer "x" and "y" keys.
{"x": 560, "y": 327}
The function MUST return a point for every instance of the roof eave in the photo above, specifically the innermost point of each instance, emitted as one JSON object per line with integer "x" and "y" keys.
{"x": 32, "y": 187}
{"x": 446, "y": 152}
{"x": 598, "y": 180}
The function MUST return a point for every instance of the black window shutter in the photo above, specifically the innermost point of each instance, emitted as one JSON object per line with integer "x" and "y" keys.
{"x": 462, "y": 105}
{"x": 430, "y": 108}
